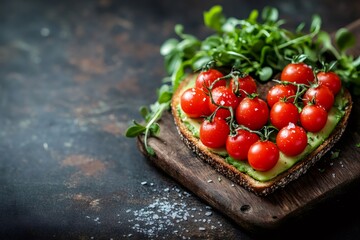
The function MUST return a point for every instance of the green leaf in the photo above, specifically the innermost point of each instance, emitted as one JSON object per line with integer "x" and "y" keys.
{"x": 179, "y": 29}
{"x": 315, "y": 24}
{"x": 324, "y": 39}
{"x": 229, "y": 25}
{"x": 165, "y": 94}
{"x": 179, "y": 73}
{"x": 356, "y": 62}
{"x": 270, "y": 14}
{"x": 300, "y": 27}
{"x": 135, "y": 130}
{"x": 172, "y": 62}
{"x": 155, "y": 128}
{"x": 344, "y": 39}
{"x": 186, "y": 44}
{"x": 265, "y": 73}
{"x": 154, "y": 107}
{"x": 211, "y": 42}
{"x": 200, "y": 62}
{"x": 168, "y": 46}
{"x": 214, "y": 18}
{"x": 264, "y": 51}
{"x": 150, "y": 150}
{"x": 144, "y": 111}
{"x": 310, "y": 54}
{"x": 253, "y": 16}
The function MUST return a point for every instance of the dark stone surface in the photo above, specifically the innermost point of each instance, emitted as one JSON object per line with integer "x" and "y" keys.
{"x": 72, "y": 76}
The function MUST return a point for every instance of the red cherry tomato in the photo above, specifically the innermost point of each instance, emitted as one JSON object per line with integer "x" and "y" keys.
{"x": 223, "y": 96}
{"x": 291, "y": 140}
{"x": 238, "y": 146}
{"x": 206, "y": 78}
{"x": 252, "y": 113}
{"x": 282, "y": 113}
{"x": 280, "y": 91}
{"x": 313, "y": 118}
{"x": 331, "y": 80}
{"x": 263, "y": 155}
{"x": 195, "y": 103}
{"x": 321, "y": 96}
{"x": 298, "y": 73}
{"x": 246, "y": 85}
{"x": 213, "y": 134}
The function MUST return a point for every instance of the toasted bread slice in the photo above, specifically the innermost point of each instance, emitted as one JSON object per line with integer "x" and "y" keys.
{"x": 219, "y": 163}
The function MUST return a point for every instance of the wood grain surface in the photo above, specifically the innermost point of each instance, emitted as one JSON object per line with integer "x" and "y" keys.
{"x": 326, "y": 179}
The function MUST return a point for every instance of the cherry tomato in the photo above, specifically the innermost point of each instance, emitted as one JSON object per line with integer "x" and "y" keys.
{"x": 195, "y": 103}
{"x": 213, "y": 134}
{"x": 331, "y": 80}
{"x": 282, "y": 113}
{"x": 238, "y": 146}
{"x": 252, "y": 113}
{"x": 280, "y": 91}
{"x": 223, "y": 96}
{"x": 206, "y": 78}
{"x": 263, "y": 155}
{"x": 291, "y": 140}
{"x": 313, "y": 118}
{"x": 321, "y": 96}
{"x": 298, "y": 73}
{"x": 246, "y": 85}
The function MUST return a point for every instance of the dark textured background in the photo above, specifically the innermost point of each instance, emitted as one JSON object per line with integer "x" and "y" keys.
{"x": 72, "y": 76}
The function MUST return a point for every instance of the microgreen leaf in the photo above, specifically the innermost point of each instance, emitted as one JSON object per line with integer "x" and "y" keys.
{"x": 155, "y": 129}
{"x": 165, "y": 94}
{"x": 168, "y": 46}
{"x": 198, "y": 63}
{"x": 344, "y": 39}
{"x": 135, "y": 130}
{"x": 144, "y": 111}
{"x": 265, "y": 73}
{"x": 179, "y": 30}
{"x": 315, "y": 24}
{"x": 253, "y": 16}
{"x": 324, "y": 39}
{"x": 300, "y": 27}
{"x": 214, "y": 18}
{"x": 356, "y": 62}
{"x": 270, "y": 14}
{"x": 172, "y": 62}
{"x": 150, "y": 150}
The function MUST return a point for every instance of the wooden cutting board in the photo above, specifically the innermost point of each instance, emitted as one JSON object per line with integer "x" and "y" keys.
{"x": 324, "y": 180}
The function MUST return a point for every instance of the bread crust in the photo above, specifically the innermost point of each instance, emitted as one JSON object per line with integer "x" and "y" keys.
{"x": 246, "y": 181}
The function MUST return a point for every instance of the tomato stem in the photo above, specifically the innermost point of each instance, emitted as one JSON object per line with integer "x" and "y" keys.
{"x": 208, "y": 65}
{"x": 268, "y": 129}
{"x": 259, "y": 133}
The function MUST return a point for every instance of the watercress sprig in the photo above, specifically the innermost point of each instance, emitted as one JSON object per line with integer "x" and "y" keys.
{"x": 258, "y": 45}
